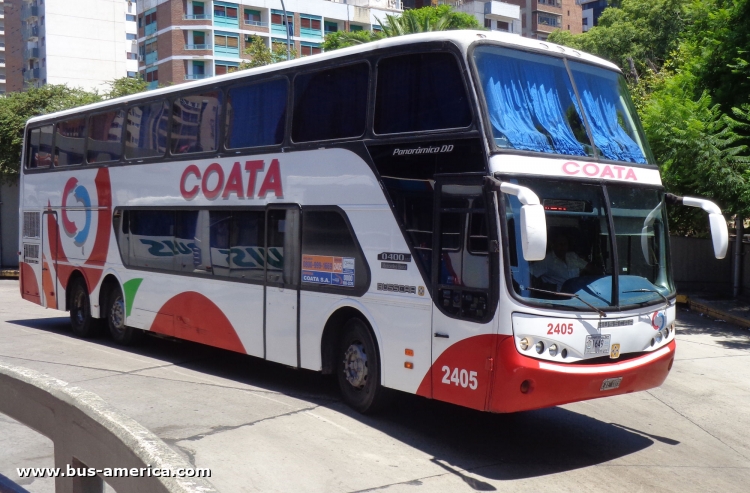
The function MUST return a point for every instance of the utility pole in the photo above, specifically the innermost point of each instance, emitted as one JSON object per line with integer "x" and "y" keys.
{"x": 288, "y": 37}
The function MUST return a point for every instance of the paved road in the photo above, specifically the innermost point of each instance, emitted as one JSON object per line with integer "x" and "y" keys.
{"x": 265, "y": 427}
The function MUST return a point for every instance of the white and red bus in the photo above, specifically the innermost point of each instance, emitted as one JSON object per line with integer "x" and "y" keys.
{"x": 468, "y": 216}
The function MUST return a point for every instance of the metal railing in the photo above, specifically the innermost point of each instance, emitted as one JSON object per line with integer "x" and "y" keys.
{"x": 31, "y": 53}
{"x": 196, "y": 17}
{"x": 198, "y": 47}
{"x": 32, "y": 74}
{"x": 196, "y": 76}
{"x": 256, "y": 23}
{"x": 88, "y": 433}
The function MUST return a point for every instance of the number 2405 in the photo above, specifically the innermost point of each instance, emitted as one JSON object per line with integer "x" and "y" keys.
{"x": 559, "y": 329}
{"x": 461, "y": 378}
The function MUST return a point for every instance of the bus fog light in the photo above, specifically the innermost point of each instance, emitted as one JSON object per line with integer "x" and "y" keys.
{"x": 553, "y": 350}
{"x": 524, "y": 343}
{"x": 539, "y": 347}
{"x": 564, "y": 353}
{"x": 652, "y": 341}
{"x": 666, "y": 333}
{"x": 658, "y": 337}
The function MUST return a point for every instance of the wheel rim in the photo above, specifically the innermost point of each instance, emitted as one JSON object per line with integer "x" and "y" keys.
{"x": 79, "y": 307}
{"x": 117, "y": 314}
{"x": 355, "y": 365}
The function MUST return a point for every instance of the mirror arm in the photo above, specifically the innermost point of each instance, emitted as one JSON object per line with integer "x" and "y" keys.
{"x": 704, "y": 204}
{"x": 525, "y": 195}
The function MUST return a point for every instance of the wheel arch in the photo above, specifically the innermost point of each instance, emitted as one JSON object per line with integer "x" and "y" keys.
{"x": 74, "y": 276}
{"x": 106, "y": 285}
{"x": 333, "y": 331}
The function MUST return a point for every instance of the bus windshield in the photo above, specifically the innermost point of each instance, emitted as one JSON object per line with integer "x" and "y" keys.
{"x": 536, "y": 104}
{"x": 584, "y": 255}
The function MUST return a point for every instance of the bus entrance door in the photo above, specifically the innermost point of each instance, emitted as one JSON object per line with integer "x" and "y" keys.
{"x": 282, "y": 260}
{"x": 463, "y": 321}
{"x": 49, "y": 259}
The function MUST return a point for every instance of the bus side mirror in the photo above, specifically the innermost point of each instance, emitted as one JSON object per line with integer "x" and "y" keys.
{"x": 716, "y": 221}
{"x": 533, "y": 221}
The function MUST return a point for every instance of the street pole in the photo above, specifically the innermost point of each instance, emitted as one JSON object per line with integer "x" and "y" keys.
{"x": 737, "y": 278}
{"x": 288, "y": 38}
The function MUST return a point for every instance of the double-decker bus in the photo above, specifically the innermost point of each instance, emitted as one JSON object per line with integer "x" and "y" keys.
{"x": 468, "y": 216}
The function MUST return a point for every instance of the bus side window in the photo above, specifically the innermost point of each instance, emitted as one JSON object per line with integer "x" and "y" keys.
{"x": 32, "y": 148}
{"x": 256, "y": 114}
{"x": 151, "y": 239}
{"x": 105, "y": 137}
{"x": 318, "y": 110}
{"x": 146, "y": 130}
{"x": 69, "y": 142}
{"x": 195, "y": 123}
{"x": 408, "y": 88}
{"x": 282, "y": 255}
{"x": 246, "y": 245}
{"x": 325, "y": 234}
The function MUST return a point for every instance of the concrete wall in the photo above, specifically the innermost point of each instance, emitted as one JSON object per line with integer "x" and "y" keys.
{"x": 9, "y": 225}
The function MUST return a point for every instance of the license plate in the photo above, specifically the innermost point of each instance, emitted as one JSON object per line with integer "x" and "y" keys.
{"x": 611, "y": 383}
{"x": 597, "y": 344}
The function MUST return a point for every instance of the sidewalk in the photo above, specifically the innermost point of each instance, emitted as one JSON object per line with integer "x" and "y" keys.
{"x": 735, "y": 311}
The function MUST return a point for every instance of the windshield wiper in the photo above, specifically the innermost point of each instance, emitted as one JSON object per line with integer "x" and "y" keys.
{"x": 571, "y": 295}
{"x": 646, "y": 290}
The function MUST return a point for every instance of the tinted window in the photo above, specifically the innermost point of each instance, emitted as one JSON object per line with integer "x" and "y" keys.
{"x": 70, "y": 141}
{"x": 151, "y": 239}
{"x": 195, "y": 123}
{"x": 105, "y": 137}
{"x": 39, "y": 150}
{"x": 187, "y": 253}
{"x": 420, "y": 92}
{"x": 146, "y": 130}
{"x": 256, "y": 114}
{"x": 246, "y": 244}
{"x": 330, "y": 256}
{"x": 330, "y": 104}
{"x": 282, "y": 254}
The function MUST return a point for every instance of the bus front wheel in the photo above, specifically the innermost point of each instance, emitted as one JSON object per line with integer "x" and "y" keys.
{"x": 358, "y": 369}
{"x": 81, "y": 321}
{"x": 121, "y": 333}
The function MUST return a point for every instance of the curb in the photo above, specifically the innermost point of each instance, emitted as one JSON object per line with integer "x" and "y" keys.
{"x": 709, "y": 311}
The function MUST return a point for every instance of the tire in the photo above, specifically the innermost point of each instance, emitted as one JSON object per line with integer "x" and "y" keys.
{"x": 81, "y": 322}
{"x": 358, "y": 369}
{"x": 121, "y": 333}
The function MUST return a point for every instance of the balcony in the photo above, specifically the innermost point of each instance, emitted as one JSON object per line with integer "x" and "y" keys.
{"x": 31, "y": 32}
{"x": 196, "y": 76}
{"x": 198, "y": 47}
{"x": 557, "y": 4}
{"x": 377, "y": 4}
{"x": 256, "y": 23}
{"x": 32, "y": 74}
{"x": 151, "y": 57}
{"x": 502, "y": 11}
{"x": 149, "y": 29}
{"x": 196, "y": 17}
{"x": 31, "y": 53}
{"x": 29, "y": 12}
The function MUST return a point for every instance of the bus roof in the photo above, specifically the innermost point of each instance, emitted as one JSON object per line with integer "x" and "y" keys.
{"x": 461, "y": 38}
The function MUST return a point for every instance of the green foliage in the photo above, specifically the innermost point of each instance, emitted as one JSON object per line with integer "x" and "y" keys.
{"x": 261, "y": 55}
{"x": 125, "y": 86}
{"x": 646, "y": 31}
{"x": 440, "y": 18}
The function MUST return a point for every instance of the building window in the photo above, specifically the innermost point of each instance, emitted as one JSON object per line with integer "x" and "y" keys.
{"x": 222, "y": 67}
{"x": 227, "y": 43}
{"x": 252, "y": 17}
{"x": 277, "y": 22}
{"x": 128, "y": 18}
{"x": 548, "y": 20}
{"x": 131, "y": 56}
{"x": 310, "y": 25}
{"x": 354, "y": 27}
{"x": 330, "y": 27}
{"x": 226, "y": 14}
{"x": 149, "y": 19}
{"x": 128, "y": 36}
{"x": 150, "y": 51}
{"x": 488, "y": 23}
{"x": 132, "y": 75}
{"x": 585, "y": 21}
{"x": 552, "y": 3}
{"x": 503, "y": 26}
{"x": 307, "y": 49}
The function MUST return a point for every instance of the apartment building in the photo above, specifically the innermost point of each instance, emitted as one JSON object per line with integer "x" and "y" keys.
{"x": 82, "y": 43}
{"x": 540, "y": 17}
{"x": 591, "y": 10}
{"x": 2, "y": 47}
{"x": 493, "y": 15}
{"x": 183, "y": 40}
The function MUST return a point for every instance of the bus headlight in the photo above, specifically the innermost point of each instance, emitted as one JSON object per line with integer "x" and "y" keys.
{"x": 658, "y": 337}
{"x": 524, "y": 343}
{"x": 553, "y": 350}
{"x": 666, "y": 333}
{"x": 539, "y": 347}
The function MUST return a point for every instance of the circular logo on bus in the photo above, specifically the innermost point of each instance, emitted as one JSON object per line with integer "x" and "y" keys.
{"x": 659, "y": 320}
{"x": 82, "y": 196}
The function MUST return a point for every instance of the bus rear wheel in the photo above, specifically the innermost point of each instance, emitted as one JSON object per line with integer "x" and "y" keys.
{"x": 121, "y": 333}
{"x": 81, "y": 321}
{"x": 358, "y": 369}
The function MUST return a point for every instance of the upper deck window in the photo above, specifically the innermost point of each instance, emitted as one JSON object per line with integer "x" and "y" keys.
{"x": 330, "y": 104}
{"x": 39, "y": 151}
{"x": 256, "y": 114}
{"x": 195, "y": 123}
{"x": 146, "y": 130}
{"x": 105, "y": 136}
{"x": 419, "y": 92}
{"x": 533, "y": 106}
{"x": 70, "y": 140}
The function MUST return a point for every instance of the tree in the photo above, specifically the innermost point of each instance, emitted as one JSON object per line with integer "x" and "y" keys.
{"x": 261, "y": 55}
{"x": 17, "y": 107}
{"x": 124, "y": 86}
{"x": 440, "y": 18}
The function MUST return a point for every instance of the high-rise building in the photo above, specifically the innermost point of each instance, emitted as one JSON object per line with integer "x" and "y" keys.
{"x": 82, "y": 43}
{"x": 540, "y": 17}
{"x": 494, "y": 15}
{"x": 592, "y": 9}
{"x": 183, "y": 40}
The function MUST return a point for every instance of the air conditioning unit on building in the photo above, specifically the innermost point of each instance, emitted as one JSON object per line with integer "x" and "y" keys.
{"x": 140, "y": 58}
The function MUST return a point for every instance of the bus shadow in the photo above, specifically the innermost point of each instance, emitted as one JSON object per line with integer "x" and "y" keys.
{"x": 472, "y": 445}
